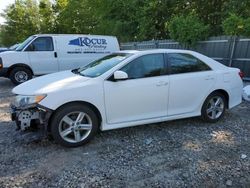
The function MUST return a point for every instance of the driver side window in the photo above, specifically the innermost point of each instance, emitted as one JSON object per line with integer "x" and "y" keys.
{"x": 145, "y": 66}
{"x": 41, "y": 44}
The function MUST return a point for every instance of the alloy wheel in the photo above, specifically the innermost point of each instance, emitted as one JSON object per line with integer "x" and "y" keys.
{"x": 75, "y": 127}
{"x": 215, "y": 107}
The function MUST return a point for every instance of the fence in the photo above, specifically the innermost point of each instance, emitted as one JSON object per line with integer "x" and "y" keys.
{"x": 229, "y": 51}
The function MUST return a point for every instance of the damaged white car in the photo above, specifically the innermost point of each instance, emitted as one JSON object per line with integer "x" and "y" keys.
{"x": 126, "y": 89}
{"x": 246, "y": 93}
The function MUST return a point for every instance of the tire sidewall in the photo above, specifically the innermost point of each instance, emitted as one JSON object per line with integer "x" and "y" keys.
{"x": 17, "y": 69}
{"x": 204, "y": 115}
{"x": 56, "y": 119}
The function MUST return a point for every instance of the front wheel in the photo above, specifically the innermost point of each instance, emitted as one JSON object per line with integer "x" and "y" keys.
{"x": 74, "y": 125}
{"x": 214, "y": 107}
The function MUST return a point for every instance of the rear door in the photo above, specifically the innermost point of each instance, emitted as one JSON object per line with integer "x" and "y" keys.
{"x": 42, "y": 55}
{"x": 191, "y": 80}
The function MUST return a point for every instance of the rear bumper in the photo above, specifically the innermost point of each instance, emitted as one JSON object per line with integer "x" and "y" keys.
{"x": 246, "y": 93}
{"x": 3, "y": 72}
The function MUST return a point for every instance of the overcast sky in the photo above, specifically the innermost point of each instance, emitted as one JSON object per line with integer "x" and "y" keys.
{"x": 3, "y": 5}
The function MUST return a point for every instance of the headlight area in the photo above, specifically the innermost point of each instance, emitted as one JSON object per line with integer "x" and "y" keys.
{"x": 27, "y": 113}
{"x": 26, "y": 101}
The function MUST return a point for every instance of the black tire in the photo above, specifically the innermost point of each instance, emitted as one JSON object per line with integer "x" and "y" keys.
{"x": 27, "y": 75}
{"x": 57, "y": 121}
{"x": 207, "y": 107}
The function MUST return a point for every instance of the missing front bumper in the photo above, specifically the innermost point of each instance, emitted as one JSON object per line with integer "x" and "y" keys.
{"x": 30, "y": 117}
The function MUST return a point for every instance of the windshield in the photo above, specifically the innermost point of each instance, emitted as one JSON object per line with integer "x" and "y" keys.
{"x": 102, "y": 65}
{"x": 22, "y": 45}
{"x": 14, "y": 47}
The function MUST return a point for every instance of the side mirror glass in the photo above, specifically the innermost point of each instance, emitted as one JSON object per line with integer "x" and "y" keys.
{"x": 120, "y": 75}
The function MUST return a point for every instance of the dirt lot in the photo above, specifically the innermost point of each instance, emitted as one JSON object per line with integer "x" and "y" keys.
{"x": 183, "y": 153}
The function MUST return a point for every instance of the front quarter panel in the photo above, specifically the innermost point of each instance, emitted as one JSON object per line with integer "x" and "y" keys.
{"x": 90, "y": 91}
{"x": 11, "y": 58}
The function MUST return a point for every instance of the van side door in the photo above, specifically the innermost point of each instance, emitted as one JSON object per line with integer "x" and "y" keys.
{"x": 42, "y": 55}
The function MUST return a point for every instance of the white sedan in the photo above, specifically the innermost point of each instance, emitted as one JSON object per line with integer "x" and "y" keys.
{"x": 125, "y": 89}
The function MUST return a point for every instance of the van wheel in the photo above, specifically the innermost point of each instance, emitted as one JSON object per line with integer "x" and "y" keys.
{"x": 214, "y": 107}
{"x": 74, "y": 125}
{"x": 19, "y": 75}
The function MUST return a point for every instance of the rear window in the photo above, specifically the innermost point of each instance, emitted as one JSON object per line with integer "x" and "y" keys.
{"x": 185, "y": 63}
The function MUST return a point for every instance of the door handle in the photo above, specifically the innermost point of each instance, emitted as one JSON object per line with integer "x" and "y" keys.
{"x": 162, "y": 83}
{"x": 55, "y": 54}
{"x": 209, "y": 78}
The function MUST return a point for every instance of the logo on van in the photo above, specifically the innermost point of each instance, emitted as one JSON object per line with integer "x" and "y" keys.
{"x": 86, "y": 41}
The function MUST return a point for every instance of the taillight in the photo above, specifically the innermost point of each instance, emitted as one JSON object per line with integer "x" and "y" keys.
{"x": 241, "y": 74}
{"x": 1, "y": 63}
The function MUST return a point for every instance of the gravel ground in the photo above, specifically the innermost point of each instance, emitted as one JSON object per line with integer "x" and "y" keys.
{"x": 183, "y": 153}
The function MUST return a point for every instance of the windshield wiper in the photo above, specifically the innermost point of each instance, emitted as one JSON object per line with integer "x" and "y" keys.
{"x": 76, "y": 71}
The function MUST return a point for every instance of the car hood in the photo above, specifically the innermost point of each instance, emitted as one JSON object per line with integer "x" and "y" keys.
{"x": 50, "y": 83}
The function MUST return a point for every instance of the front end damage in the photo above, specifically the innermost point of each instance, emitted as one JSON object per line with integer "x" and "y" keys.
{"x": 31, "y": 118}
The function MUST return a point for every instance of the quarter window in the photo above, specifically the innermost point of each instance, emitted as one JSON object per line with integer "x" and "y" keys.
{"x": 145, "y": 66}
{"x": 185, "y": 63}
{"x": 41, "y": 44}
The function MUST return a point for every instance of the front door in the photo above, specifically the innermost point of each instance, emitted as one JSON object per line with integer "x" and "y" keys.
{"x": 42, "y": 56}
{"x": 144, "y": 95}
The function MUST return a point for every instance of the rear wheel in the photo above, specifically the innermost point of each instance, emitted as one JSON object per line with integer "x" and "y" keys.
{"x": 19, "y": 75}
{"x": 214, "y": 107}
{"x": 74, "y": 125}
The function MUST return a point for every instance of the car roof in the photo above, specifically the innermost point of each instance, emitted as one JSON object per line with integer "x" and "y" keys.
{"x": 157, "y": 51}
{"x": 164, "y": 51}
{"x": 143, "y": 52}
{"x": 127, "y": 51}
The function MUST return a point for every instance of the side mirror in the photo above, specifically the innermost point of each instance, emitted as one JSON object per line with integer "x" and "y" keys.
{"x": 120, "y": 75}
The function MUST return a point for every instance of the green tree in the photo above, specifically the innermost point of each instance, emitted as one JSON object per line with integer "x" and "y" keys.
{"x": 247, "y": 27}
{"x": 47, "y": 17}
{"x": 59, "y": 7}
{"x": 128, "y": 20}
{"x": 117, "y": 17}
{"x": 233, "y": 25}
{"x": 240, "y": 8}
{"x": 187, "y": 30}
{"x": 76, "y": 17}
{"x": 1, "y": 35}
{"x": 22, "y": 20}
{"x": 211, "y": 13}
{"x": 152, "y": 17}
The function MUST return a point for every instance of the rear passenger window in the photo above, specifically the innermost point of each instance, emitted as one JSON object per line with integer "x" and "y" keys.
{"x": 185, "y": 63}
{"x": 42, "y": 44}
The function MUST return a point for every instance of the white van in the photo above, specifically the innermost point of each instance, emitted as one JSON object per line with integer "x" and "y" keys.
{"x": 47, "y": 53}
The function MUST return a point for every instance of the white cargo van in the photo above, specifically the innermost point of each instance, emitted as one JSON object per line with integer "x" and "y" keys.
{"x": 47, "y": 53}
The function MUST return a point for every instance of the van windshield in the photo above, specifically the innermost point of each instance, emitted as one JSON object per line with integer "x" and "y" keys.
{"x": 23, "y": 44}
{"x": 102, "y": 65}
